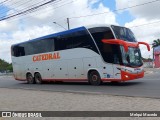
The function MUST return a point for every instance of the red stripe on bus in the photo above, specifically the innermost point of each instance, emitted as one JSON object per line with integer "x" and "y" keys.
{"x": 110, "y": 79}
{"x": 131, "y": 76}
{"x": 64, "y": 79}
{"x": 56, "y": 79}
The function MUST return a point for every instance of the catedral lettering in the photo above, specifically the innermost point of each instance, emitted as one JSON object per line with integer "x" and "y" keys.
{"x": 43, "y": 57}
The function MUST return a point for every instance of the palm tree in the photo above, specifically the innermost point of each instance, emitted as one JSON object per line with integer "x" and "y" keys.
{"x": 156, "y": 43}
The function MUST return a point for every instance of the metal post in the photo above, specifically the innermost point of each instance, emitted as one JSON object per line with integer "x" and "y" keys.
{"x": 153, "y": 58}
{"x": 68, "y": 23}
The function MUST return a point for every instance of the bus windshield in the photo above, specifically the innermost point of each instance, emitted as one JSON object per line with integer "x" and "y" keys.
{"x": 124, "y": 34}
{"x": 132, "y": 58}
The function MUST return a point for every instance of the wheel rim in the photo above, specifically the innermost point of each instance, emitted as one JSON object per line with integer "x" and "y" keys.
{"x": 38, "y": 79}
{"x": 94, "y": 78}
{"x": 29, "y": 79}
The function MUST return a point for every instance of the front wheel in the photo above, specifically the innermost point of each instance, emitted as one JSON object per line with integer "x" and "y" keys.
{"x": 94, "y": 78}
{"x": 38, "y": 78}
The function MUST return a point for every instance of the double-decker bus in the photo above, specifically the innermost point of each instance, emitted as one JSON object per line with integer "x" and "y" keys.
{"x": 94, "y": 54}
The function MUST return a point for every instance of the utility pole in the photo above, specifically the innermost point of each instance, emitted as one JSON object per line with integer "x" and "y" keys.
{"x": 153, "y": 57}
{"x": 68, "y": 23}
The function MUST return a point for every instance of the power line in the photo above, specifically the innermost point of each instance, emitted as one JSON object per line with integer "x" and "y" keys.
{"x": 3, "y": 1}
{"x": 2, "y": 10}
{"x": 116, "y": 9}
{"x": 145, "y": 24}
{"x": 47, "y": 10}
{"x": 28, "y": 10}
{"x": 28, "y": 7}
{"x": 36, "y": 7}
{"x": 15, "y": 6}
{"x": 55, "y": 3}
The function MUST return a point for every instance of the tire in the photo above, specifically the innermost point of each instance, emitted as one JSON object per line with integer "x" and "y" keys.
{"x": 38, "y": 78}
{"x": 94, "y": 78}
{"x": 30, "y": 79}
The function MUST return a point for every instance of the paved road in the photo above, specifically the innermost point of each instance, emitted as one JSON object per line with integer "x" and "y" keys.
{"x": 149, "y": 86}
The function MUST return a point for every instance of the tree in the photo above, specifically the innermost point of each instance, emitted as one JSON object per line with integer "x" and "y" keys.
{"x": 156, "y": 43}
{"x": 5, "y": 66}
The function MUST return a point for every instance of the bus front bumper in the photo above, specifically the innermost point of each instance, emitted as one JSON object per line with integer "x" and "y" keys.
{"x": 125, "y": 76}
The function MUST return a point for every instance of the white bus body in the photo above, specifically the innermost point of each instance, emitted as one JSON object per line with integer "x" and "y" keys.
{"x": 65, "y": 59}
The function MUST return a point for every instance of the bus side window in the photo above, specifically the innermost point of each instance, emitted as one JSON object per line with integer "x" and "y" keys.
{"x": 60, "y": 43}
{"x": 18, "y": 51}
{"x": 21, "y": 51}
{"x": 100, "y": 33}
{"x": 82, "y": 39}
{"x": 77, "y": 39}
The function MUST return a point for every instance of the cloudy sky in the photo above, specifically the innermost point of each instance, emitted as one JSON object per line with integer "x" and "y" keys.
{"x": 141, "y": 13}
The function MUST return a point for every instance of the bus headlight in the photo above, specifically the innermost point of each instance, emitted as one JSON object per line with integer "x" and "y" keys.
{"x": 126, "y": 76}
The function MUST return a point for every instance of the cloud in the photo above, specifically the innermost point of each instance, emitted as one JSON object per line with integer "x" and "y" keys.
{"x": 146, "y": 33}
{"x": 120, "y": 4}
{"x": 148, "y": 9}
{"x": 6, "y": 26}
{"x": 143, "y": 14}
{"x": 40, "y": 23}
{"x": 20, "y": 36}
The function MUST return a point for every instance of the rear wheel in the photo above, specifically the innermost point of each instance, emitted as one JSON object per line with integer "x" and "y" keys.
{"x": 94, "y": 78}
{"x": 30, "y": 79}
{"x": 38, "y": 78}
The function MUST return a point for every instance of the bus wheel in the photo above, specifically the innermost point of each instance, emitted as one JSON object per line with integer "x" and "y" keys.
{"x": 30, "y": 79}
{"x": 94, "y": 78}
{"x": 38, "y": 78}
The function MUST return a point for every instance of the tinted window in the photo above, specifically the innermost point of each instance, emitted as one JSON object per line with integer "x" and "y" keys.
{"x": 78, "y": 39}
{"x": 110, "y": 53}
{"x": 41, "y": 46}
{"x": 100, "y": 33}
{"x": 18, "y": 51}
{"x": 124, "y": 34}
{"x": 33, "y": 47}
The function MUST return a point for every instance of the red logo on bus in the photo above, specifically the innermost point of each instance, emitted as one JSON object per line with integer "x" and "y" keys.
{"x": 43, "y": 57}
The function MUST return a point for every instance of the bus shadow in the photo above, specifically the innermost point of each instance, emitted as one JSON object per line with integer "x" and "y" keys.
{"x": 122, "y": 84}
{"x": 87, "y": 84}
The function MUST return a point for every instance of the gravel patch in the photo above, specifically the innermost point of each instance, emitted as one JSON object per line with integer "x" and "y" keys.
{"x": 30, "y": 100}
{"x": 18, "y": 99}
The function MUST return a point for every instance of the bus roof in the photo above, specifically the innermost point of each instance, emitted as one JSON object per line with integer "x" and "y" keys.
{"x": 54, "y": 34}
{"x": 66, "y": 32}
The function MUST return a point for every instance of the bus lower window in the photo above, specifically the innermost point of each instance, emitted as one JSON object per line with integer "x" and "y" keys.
{"x": 111, "y": 53}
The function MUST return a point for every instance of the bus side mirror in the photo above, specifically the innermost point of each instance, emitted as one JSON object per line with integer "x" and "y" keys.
{"x": 119, "y": 42}
{"x": 144, "y": 43}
